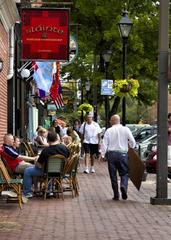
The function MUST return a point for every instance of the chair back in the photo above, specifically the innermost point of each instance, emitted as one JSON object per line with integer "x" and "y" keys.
{"x": 55, "y": 165}
{"x": 74, "y": 149}
{"x": 71, "y": 164}
{"x": 28, "y": 148}
{"x": 4, "y": 173}
{"x": 6, "y": 183}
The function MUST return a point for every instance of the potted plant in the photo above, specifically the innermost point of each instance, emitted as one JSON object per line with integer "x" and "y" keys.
{"x": 126, "y": 87}
{"x": 85, "y": 107}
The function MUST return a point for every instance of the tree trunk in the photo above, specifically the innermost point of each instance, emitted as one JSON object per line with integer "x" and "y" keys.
{"x": 114, "y": 108}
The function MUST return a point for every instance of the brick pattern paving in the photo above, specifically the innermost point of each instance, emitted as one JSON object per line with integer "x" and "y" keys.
{"x": 93, "y": 215}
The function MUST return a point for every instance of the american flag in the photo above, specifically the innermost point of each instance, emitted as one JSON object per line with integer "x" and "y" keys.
{"x": 46, "y": 76}
{"x": 56, "y": 89}
{"x": 59, "y": 99}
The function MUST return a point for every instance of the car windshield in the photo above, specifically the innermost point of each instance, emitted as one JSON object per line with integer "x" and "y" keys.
{"x": 145, "y": 133}
{"x": 135, "y": 128}
{"x": 149, "y": 138}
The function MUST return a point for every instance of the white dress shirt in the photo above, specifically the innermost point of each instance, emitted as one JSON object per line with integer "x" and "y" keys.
{"x": 91, "y": 132}
{"x": 117, "y": 138}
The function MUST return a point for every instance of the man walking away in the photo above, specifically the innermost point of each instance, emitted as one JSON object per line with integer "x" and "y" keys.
{"x": 115, "y": 145}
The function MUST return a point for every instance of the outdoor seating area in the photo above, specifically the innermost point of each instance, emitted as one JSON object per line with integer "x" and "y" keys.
{"x": 59, "y": 177}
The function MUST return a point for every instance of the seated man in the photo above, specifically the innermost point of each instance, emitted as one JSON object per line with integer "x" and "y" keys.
{"x": 15, "y": 161}
{"x": 54, "y": 148}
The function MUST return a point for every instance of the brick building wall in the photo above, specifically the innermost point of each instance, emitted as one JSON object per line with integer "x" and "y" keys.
{"x": 152, "y": 111}
{"x": 3, "y": 81}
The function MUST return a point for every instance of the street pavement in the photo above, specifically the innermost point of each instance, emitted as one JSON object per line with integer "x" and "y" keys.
{"x": 92, "y": 215}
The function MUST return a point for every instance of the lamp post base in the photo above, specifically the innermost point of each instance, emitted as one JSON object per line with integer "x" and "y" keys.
{"x": 160, "y": 201}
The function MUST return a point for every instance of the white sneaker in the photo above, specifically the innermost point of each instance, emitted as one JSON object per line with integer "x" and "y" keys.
{"x": 92, "y": 170}
{"x": 28, "y": 195}
{"x": 24, "y": 199}
{"x": 86, "y": 171}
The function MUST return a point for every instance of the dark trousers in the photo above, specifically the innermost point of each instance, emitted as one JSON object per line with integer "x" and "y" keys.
{"x": 118, "y": 162}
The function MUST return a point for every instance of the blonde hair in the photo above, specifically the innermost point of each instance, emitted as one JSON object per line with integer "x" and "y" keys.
{"x": 67, "y": 140}
{"x": 42, "y": 130}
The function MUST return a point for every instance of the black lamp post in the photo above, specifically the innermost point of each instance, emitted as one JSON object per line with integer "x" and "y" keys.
{"x": 87, "y": 87}
{"x": 124, "y": 26}
{"x": 107, "y": 56}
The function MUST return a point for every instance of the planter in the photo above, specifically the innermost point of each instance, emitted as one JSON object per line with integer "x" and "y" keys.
{"x": 126, "y": 88}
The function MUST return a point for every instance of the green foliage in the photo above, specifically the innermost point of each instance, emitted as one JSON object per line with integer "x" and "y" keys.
{"x": 169, "y": 88}
{"x": 70, "y": 117}
{"x": 97, "y": 31}
{"x": 147, "y": 92}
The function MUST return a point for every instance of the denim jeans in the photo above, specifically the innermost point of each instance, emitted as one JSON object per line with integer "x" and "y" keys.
{"x": 118, "y": 161}
{"x": 29, "y": 173}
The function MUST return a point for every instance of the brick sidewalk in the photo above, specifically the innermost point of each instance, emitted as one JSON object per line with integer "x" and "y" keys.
{"x": 93, "y": 215}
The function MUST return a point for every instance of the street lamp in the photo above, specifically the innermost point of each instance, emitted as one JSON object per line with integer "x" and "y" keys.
{"x": 107, "y": 56}
{"x": 87, "y": 85}
{"x": 25, "y": 73}
{"x": 124, "y": 26}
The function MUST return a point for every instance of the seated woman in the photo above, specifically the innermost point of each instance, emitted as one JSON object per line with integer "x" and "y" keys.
{"x": 73, "y": 134}
{"x": 16, "y": 144}
{"x": 41, "y": 139}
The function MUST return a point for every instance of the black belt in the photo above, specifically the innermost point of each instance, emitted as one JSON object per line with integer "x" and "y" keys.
{"x": 118, "y": 151}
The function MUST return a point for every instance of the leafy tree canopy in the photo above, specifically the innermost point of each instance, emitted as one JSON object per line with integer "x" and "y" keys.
{"x": 96, "y": 30}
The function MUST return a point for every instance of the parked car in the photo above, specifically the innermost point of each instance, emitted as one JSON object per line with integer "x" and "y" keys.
{"x": 142, "y": 146}
{"x": 136, "y": 127}
{"x": 145, "y": 132}
{"x": 151, "y": 164}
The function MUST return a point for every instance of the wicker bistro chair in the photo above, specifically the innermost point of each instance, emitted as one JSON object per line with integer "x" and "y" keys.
{"x": 28, "y": 149}
{"x": 54, "y": 175}
{"x": 70, "y": 175}
{"x": 8, "y": 183}
{"x": 74, "y": 148}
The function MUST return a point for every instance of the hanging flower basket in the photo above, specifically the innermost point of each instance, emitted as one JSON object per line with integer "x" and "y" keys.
{"x": 85, "y": 107}
{"x": 126, "y": 87}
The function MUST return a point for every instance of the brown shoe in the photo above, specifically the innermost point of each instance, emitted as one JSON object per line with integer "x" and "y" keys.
{"x": 115, "y": 198}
